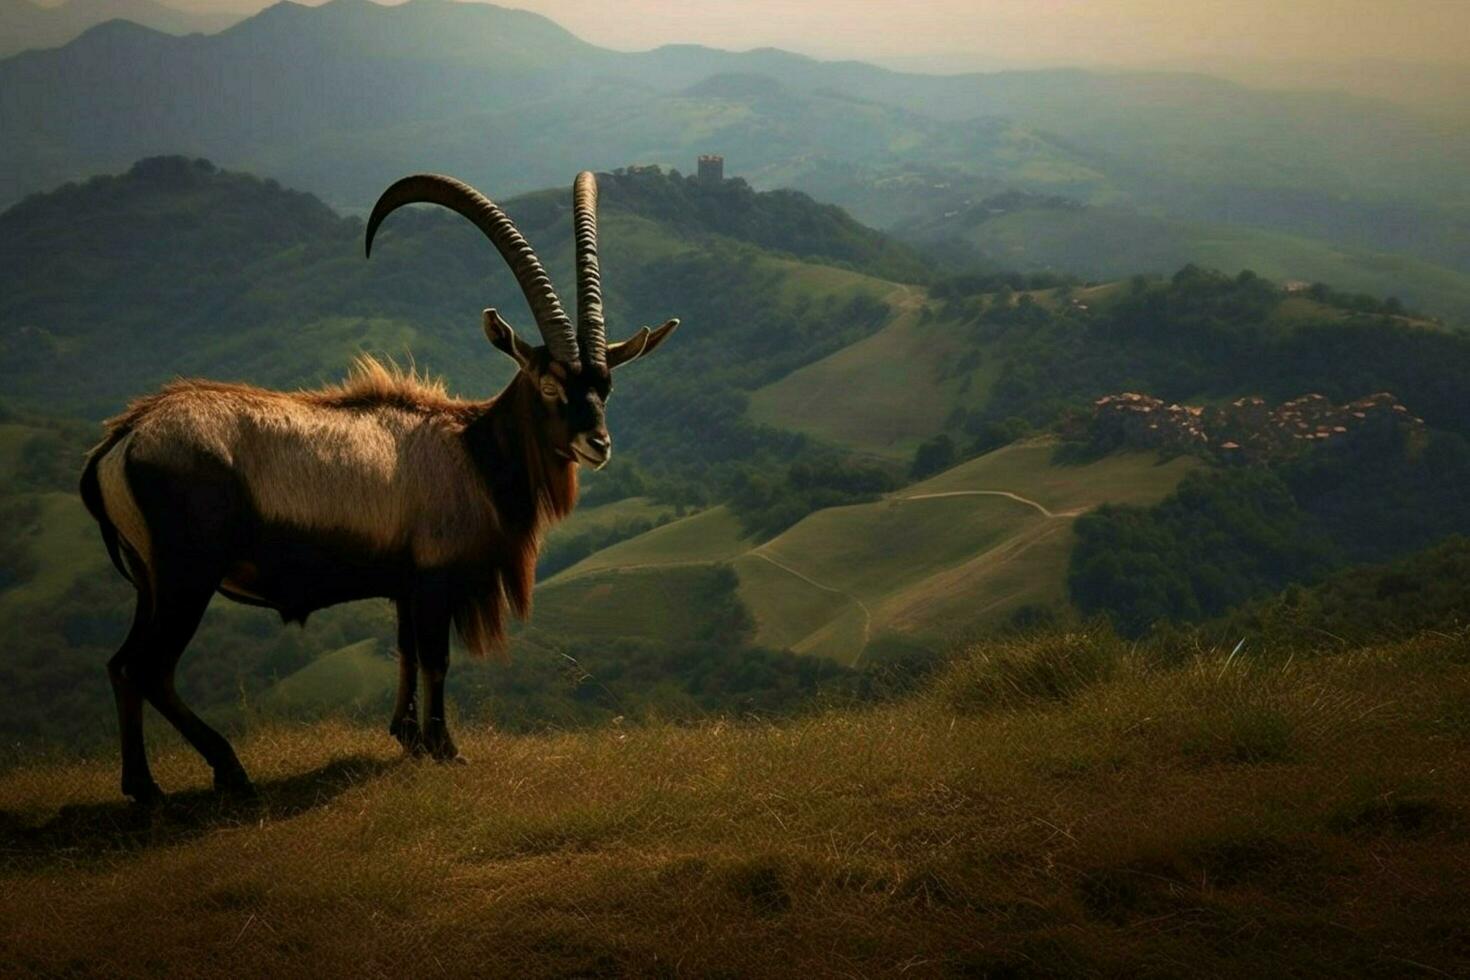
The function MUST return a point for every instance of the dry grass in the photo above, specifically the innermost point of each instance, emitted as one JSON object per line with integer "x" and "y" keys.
{"x": 1060, "y": 805}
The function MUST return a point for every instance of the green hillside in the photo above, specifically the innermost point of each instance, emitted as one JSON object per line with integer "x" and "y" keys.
{"x": 710, "y": 536}
{"x": 1031, "y": 469}
{"x": 349, "y": 680}
{"x": 879, "y": 555}
{"x": 883, "y": 394}
{"x": 591, "y": 517}
{"x": 931, "y": 563}
{"x": 92, "y": 313}
{"x": 630, "y": 602}
{"x": 976, "y": 357}
{"x": 939, "y": 560}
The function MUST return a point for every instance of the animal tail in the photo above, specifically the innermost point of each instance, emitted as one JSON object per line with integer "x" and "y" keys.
{"x": 91, "y": 490}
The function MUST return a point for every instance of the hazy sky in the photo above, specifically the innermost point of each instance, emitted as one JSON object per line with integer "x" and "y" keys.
{"x": 1001, "y": 32}
{"x": 1113, "y": 31}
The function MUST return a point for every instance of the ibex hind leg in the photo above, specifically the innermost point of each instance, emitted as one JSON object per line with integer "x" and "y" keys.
{"x": 181, "y": 605}
{"x": 123, "y": 671}
{"x": 143, "y": 669}
{"x": 196, "y": 515}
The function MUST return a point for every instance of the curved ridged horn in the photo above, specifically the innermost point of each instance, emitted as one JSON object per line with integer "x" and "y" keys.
{"x": 461, "y": 198}
{"x": 591, "y": 327}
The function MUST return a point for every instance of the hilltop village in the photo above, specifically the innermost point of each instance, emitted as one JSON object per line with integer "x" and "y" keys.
{"x": 1244, "y": 430}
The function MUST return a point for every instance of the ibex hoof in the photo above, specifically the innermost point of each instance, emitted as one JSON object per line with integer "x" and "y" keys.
{"x": 144, "y": 794}
{"x": 441, "y": 747}
{"x": 234, "y": 783}
{"x": 406, "y": 730}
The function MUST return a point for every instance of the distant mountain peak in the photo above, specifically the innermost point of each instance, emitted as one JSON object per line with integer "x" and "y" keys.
{"x": 27, "y": 25}
{"x": 445, "y": 30}
{"x": 118, "y": 28}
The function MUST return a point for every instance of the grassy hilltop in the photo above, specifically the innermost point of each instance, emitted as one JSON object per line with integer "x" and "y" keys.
{"x": 1060, "y": 804}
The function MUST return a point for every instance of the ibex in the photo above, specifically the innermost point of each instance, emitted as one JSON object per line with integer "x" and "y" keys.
{"x": 382, "y": 487}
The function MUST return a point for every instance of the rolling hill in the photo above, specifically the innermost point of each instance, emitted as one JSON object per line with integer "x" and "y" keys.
{"x": 975, "y": 358}
{"x": 928, "y": 564}
{"x": 883, "y": 394}
{"x": 343, "y": 97}
{"x": 1103, "y": 242}
{"x": 345, "y": 681}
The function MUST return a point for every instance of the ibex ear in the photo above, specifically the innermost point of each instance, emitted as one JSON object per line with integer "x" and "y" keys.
{"x": 642, "y": 342}
{"x": 502, "y": 336}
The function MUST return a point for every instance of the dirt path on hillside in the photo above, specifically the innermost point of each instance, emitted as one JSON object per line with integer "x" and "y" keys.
{"x": 1045, "y": 512}
{"x": 1003, "y": 552}
{"x": 862, "y": 606}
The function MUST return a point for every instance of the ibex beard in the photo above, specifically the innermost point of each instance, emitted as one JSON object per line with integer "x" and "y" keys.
{"x": 382, "y": 487}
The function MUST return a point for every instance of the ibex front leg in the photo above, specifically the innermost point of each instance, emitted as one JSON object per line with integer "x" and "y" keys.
{"x": 431, "y": 619}
{"x": 405, "y": 723}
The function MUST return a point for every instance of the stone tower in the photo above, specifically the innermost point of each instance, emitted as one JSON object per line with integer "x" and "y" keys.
{"x": 712, "y": 167}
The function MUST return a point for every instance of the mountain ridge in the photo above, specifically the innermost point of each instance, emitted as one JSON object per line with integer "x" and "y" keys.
{"x": 25, "y": 25}
{"x": 343, "y": 97}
